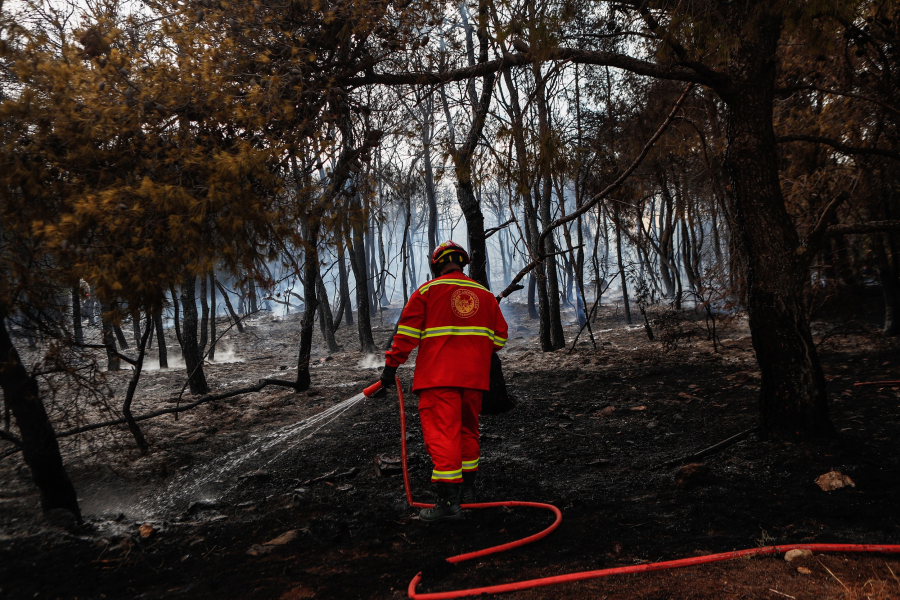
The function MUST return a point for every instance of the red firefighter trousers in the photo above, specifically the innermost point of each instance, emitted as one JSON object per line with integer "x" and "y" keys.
{"x": 450, "y": 427}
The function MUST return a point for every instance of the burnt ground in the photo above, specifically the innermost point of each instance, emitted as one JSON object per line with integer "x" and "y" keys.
{"x": 589, "y": 434}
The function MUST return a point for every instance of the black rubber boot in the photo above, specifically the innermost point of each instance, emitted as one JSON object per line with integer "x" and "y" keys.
{"x": 467, "y": 495}
{"x": 447, "y": 507}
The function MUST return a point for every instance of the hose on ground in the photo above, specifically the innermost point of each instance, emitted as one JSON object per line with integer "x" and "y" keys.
{"x": 583, "y": 575}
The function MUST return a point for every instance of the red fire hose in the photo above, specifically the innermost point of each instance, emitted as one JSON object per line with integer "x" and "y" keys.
{"x": 569, "y": 577}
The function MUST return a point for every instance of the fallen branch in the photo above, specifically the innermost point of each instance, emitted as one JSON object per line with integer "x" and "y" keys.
{"x": 333, "y": 476}
{"x": 876, "y": 383}
{"x": 711, "y": 450}
{"x": 177, "y": 409}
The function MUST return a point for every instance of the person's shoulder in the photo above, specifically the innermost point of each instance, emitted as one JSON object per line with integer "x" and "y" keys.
{"x": 452, "y": 279}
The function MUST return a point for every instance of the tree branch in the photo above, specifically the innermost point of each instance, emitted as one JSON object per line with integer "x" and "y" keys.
{"x": 867, "y": 227}
{"x": 177, "y": 409}
{"x": 489, "y": 232}
{"x": 842, "y": 148}
{"x": 586, "y": 57}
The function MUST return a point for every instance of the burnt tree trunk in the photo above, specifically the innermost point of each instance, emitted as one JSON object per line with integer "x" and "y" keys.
{"x": 230, "y": 307}
{"x": 793, "y": 402}
{"x": 357, "y": 254}
{"x": 212, "y": 316}
{"x": 161, "y": 341}
{"x": 77, "y": 329}
{"x": 621, "y": 266}
{"x": 40, "y": 449}
{"x": 310, "y": 276}
{"x": 133, "y": 427}
{"x": 120, "y": 335}
{"x": 109, "y": 341}
{"x": 136, "y": 326}
{"x": 345, "y": 288}
{"x": 193, "y": 360}
{"x": 177, "y": 317}
{"x": 204, "y": 315}
{"x": 890, "y": 287}
{"x": 326, "y": 320}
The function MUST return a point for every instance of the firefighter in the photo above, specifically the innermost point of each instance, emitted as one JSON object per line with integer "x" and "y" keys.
{"x": 457, "y": 324}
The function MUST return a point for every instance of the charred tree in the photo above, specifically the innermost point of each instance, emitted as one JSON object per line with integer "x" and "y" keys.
{"x": 177, "y": 318}
{"x": 621, "y": 266}
{"x": 193, "y": 359}
{"x": 40, "y": 449}
{"x": 133, "y": 427}
{"x": 228, "y": 305}
{"x": 204, "y": 315}
{"x": 310, "y": 276}
{"x": 793, "y": 401}
{"x": 326, "y": 320}
{"x": 109, "y": 341}
{"x": 357, "y": 254}
{"x": 345, "y": 304}
{"x": 77, "y": 328}
{"x": 161, "y": 349}
{"x": 213, "y": 309}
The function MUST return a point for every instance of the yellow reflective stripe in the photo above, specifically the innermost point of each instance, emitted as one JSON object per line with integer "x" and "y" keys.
{"x": 499, "y": 341}
{"x": 455, "y": 328}
{"x": 460, "y": 282}
{"x": 409, "y": 331}
{"x": 461, "y": 331}
{"x": 469, "y": 464}
{"x": 446, "y": 474}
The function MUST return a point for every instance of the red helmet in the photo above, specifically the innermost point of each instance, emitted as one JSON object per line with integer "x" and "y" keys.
{"x": 448, "y": 252}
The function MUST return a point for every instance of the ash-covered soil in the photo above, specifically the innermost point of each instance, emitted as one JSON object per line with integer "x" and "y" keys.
{"x": 592, "y": 433}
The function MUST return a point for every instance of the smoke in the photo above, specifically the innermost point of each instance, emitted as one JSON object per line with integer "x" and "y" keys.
{"x": 226, "y": 354}
{"x": 174, "y": 359}
{"x": 371, "y": 361}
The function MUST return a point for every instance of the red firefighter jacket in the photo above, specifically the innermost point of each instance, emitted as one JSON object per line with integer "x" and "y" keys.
{"x": 457, "y": 324}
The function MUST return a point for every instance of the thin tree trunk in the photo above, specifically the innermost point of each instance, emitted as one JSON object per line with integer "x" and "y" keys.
{"x": 213, "y": 309}
{"x": 40, "y": 450}
{"x": 77, "y": 328}
{"x": 177, "y": 318}
{"x": 326, "y": 321}
{"x": 357, "y": 254}
{"x": 161, "y": 341}
{"x": 204, "y": 315}
{"x": 310, "y": 275}
{"x": 890, "y": 287}
{"x": 132, "y": 386}
{"x": 136, "y": 326}
{"x": 345, "y": 288}
{"x": 622, "y": 271}
{"x": 251, "y": 293}
{"x": 557, "y": 338}
{"x": 120, "y": 335}
{"x": 234, "y": 317}
{"x": 427, "y": 109}
{"x": 109, "y": 340}
{"x": 193, "y": 361}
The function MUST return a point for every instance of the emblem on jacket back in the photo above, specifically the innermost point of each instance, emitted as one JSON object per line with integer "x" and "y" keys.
{"x": 464, "y": 303}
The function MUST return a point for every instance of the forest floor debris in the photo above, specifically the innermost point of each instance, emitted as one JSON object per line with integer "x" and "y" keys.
{"x": 591, "y": 433}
